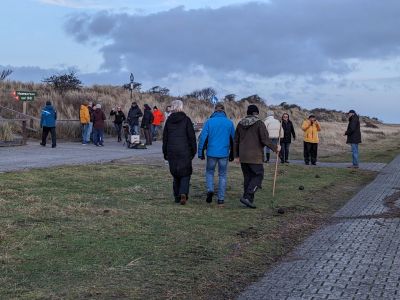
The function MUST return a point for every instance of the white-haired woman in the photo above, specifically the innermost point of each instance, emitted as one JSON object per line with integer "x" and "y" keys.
{"x": 179, "y": 148}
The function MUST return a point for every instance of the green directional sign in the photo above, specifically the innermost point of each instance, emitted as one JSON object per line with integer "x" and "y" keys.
{"x": 26, "y": 96}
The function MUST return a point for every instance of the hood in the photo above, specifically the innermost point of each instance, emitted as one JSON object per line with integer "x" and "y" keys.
{"x": 269, "y": 118}
{"x": 83, "y": 106}
{"x": 249, "y": 121}
{"x": 218, "y": 114}
{"x": 177, "y": 117}
{"x": 49, "y": 107}
{"x": 355, "y": 116}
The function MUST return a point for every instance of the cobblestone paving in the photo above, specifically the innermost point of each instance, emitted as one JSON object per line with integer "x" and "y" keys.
{"x": 356, "y": 257}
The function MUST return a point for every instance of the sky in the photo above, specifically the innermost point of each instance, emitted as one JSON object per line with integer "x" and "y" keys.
{"x": 338, "y": 54}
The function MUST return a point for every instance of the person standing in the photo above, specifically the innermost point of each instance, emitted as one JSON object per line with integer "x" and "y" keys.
{"x": 89, "y": 135}
{"x": 251, "y": 136}
{"x": 158, "y": 117}
{"x": 216, "y": 139}
{"x": 147, "y": 120}
{"x": 133, "y": 118}
{"x": 119, "y": 117}
{"x": 179, "y": 149}
{"x": 274, "y": 131}
{"x": 353, "y": 133}
{"x": 288, "y": 132}
{"x": 168, "y": 112}
{"x": 98, "y": 126}
{"x": 311, "y": 127}
{"x": 48, "y": 123}
{"x": 84, "y": 118}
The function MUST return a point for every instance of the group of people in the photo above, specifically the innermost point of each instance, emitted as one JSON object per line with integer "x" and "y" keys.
{"x": 220, "y": 143}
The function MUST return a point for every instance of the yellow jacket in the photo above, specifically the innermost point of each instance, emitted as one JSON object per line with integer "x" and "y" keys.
{"x": 311, "y": 131}
{"x": 84, "y": 115}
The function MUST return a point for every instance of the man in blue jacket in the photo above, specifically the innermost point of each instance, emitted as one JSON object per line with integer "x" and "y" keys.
{"x": 48, "y": 123}
{"x": 216, "y": 139}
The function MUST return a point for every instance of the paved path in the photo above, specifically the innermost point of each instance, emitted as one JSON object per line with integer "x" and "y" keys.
{"x": 68, "y": 153}
{"x": 365, "y": 166}
{"x": 357, "y": 257}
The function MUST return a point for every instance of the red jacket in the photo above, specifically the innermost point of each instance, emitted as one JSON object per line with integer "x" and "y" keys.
{"x": 158, "y": 117}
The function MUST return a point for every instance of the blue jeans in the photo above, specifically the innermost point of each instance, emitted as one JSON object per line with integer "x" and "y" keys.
{"x": 354, "y": 151}
{"x": 89, "y": 132}
{"x": 134, "y": 129}
{"x": 98, "y": 136}
{"x": 274, "y": 141}
{"x": 222, "y": 170}
{"x": 84, "y": 128}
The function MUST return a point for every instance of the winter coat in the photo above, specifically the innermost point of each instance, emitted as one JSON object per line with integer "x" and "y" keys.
{"x": 288, "y": 132}
{"x": 251, "y": 137}
{"x": 133, "y": 115}
{"x": 147, "y": 119}
{"x": 91, "y": 110}
{"x": 217, "y": 136}
{"x": 84, "y": 115}
{"x": 119, "y": 116}
{"x": 48, "y": 117}
{"x": 179, "y": 144}
{"x": 273, "y": 127}
{"x": 98, "y": 118}
{"x": 311, "y": 131}
{"x": 158, "y": 117}
{"x": 353, "y": 131}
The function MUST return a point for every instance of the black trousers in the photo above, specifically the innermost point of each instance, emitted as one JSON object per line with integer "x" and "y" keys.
{"x": 45, "y": 133}
{"x": 253, "y": 175}
{"x": 147, "y": 136}
{"x": 181, "y": 185}
{"x": 310, "y": 152}
{"x": 118, "y": 129}
{"x": 284, "y": 154}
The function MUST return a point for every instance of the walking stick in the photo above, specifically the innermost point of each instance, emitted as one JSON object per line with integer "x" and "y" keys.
{"x": 277, "y": 159}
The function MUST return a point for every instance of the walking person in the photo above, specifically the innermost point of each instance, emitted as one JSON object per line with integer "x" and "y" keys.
{"x": 251, "y": 136}
{"x": 274, "y": 130}
{"x": 353, "y": 133}
{"x": 147, "y": 122}
{"x": 216, "y": 139}
{"x": 119, "y": 118}
{"x": 133, "y": 118}
{"x": 158, "y": 117}
{"x": 84, "y": 118}
{"x": 179, "y": 149}
{"x": 98, "y": 126}
{"x": 286, "y": 140}
{"x": 311, "y": 127}
{"x": 48, "y": 123}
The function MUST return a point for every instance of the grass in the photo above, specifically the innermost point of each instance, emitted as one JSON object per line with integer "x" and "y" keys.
{"x": 113, "y": 231}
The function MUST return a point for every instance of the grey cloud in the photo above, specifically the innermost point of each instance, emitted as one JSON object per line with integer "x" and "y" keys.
{"x": 280, "y": 37}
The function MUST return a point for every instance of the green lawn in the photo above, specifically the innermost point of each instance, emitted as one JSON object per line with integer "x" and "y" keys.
{"x": 113, "y": 231}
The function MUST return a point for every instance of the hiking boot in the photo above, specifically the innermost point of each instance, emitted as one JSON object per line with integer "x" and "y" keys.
{"x": 220, "y": 204}
{"x": 209, "y": 197}
{"x": 287, "y": 162}
{"x": 41, "y": 144}
{"x": 183, "y": 199}
{"x": 247, "y": 202}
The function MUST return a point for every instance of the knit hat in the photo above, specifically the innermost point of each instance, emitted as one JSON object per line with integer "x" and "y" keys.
{"x": 219, "y": 107}
{"x": 352, "y": 111}
{"x": 98, "y": 105}
{"x": 251, "y": 109}
{"x": 48, "y": 103}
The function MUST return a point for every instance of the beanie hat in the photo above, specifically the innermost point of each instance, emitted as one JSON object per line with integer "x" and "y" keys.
{"x": 251, "y": 109}
{"x": 48, "y": 103}
{"x": 352, "y": 111}
{"x": 98, "y": 105}
{"x": 219, "y": 107}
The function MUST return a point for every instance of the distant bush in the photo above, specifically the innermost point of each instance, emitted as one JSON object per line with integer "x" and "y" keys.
{"x": 64, "y": 82}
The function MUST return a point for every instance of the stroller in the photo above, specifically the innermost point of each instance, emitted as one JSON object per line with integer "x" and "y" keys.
{"x": 132, "y": 141}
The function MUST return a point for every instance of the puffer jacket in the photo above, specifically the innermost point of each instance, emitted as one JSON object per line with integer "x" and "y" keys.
{"x": 311, "y": 131}
{"x": 353, "y": 131}
{"x": 98, "y": 118}
{"x": 84, "y": 115}
{"x": 158, "y": 117}
{"x": 48, "y": 117}
{"x": 274, "y": 127}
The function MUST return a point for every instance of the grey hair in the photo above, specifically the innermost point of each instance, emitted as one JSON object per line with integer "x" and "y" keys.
{"x": 177, "y": 105}
{"x": 270, "y": 113}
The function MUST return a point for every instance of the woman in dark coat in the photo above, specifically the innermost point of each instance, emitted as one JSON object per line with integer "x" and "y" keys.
{"x": 179, "y": 148}
{"x": 147, "y": 120}
{"x": 288, "y": 132}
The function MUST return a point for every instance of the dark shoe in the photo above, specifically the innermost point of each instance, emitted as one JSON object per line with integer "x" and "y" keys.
{"x": 266, "y": 161}
{"x": 247, "y": 202}
{"x": 314, "y": 164}
{"x": 282, "y": 161}
{"x": 307, "y": 163}
{"x": 183, "y": 199}
{"x": 220, "y": 203}
{"x": 209, "y": 197}
{"x": 53, "y": 146}
{"x": 41, "y": 144}
{"x": 287, "y": 162}
{"x": 177, "y": 199}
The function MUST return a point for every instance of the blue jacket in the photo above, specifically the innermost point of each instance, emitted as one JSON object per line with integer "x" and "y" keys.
{"x": 216, "y": 137}
{"x": 48, "y": 117}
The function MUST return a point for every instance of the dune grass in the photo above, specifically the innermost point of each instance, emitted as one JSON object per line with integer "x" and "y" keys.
{"x": 113, "y": 231}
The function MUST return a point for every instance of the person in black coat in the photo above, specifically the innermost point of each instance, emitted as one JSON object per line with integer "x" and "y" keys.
{"x": 147, "y": 120}
{"x": 179, "y": 148}
{"x": 133, "y": 118}
{"x": 288, "y": 132}
{"x": 353, "y": 133}
{"x": 119, "y": 118}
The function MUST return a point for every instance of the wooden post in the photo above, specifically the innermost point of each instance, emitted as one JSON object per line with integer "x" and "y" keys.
{"x": 24, "y": 131}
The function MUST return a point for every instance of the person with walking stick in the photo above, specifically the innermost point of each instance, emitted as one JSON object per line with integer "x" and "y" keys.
{"x": 251, "y": 136}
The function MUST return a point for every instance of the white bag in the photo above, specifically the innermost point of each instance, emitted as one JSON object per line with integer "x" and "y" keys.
{"x": 135, "y": 139}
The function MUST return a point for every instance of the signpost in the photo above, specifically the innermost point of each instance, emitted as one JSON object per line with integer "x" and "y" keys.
{"x": 24, "y": 96}
{"x": 132, "y": 78}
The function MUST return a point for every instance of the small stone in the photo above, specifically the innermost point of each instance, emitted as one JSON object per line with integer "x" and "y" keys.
{"x": 317, "y": 176}
{"x": 301, "y": 187}
{"x": 281, "y": 211}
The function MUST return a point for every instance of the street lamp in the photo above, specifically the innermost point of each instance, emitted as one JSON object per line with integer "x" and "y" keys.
{"x": 132, "y": 78}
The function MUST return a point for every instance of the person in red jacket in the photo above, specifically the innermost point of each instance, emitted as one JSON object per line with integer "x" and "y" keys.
{"x": 158, "y": 119}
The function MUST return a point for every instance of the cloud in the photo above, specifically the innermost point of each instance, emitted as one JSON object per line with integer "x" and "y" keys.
{"x": 280, "y": 37}
{"x": 74, "y": 3}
